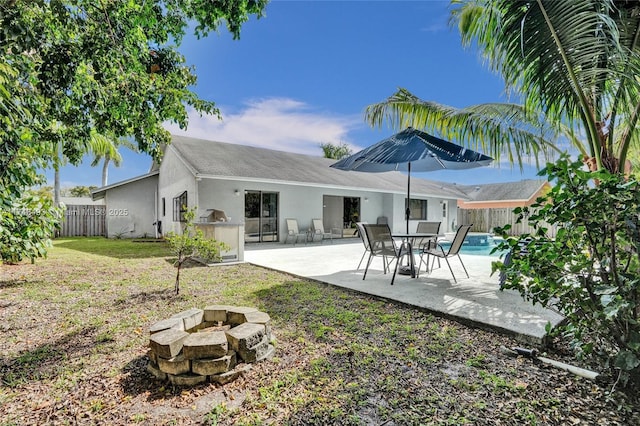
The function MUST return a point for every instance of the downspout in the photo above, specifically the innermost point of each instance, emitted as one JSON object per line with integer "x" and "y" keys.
{"x": 155, "y": 213}
{"x": 195, "y": 196}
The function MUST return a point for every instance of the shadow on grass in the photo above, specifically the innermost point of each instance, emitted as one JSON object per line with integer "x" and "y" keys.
{"x": 187, "y": 264}
{"x": 162, "y": 295}
{"x": 120, "y": 249}
{"x": 136, "y": 380}
{"x": 47, "y": 361}
{"x": 12, "y": 283}
{"x": 303, "y": 299}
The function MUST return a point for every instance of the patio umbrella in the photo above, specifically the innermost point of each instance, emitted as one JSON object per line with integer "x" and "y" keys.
{"x": 415, "y": 150}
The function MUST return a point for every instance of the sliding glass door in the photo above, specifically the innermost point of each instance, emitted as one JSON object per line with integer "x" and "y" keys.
{"x": 341, "y": 213}
{"x": 260, "y": 216}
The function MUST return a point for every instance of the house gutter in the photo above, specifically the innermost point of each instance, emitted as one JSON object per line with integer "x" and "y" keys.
{"x": 498, "y": 201}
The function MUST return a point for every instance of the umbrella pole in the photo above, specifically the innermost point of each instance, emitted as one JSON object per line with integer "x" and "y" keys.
{"x": 407, "y": 212}
{"x": 408, "y": 247}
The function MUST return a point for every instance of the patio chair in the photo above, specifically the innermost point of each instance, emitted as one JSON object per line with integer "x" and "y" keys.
{"x": 381, "y": 243}
{"x": 363, "y": 237}
{"x": 294, "y": 232}
{"x": 318, "y": 231}
{"x": 382, "y": 220}
{"x": 454, "y": 250}
{"x": 426, "y": 243}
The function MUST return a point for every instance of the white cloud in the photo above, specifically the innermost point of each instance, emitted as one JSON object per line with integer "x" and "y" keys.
{"x": 438, "y": 24}
{"x": 275, "y": 123}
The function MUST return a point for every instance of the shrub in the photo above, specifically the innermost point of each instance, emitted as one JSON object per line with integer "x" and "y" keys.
{"x": 26, "y": 227}
{"x": 590, "y": 270}
{"x": 192, "y": 244}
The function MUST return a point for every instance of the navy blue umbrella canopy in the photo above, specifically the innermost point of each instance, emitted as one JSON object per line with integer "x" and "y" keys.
{"x": 415, "y": 150}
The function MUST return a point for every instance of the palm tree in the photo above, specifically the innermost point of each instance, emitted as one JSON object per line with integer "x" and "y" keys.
{"x": 573, "y": 63}
{"x": 335, "y": 152}
{"x": 105, "y": 148}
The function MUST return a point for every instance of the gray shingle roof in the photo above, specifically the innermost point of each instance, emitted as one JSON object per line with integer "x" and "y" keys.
{"x": 209, "y": 158}
{"x": 507, "y": 191}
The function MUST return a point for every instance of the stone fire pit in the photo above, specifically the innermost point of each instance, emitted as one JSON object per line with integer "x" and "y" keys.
{"x": 215, "y": 343}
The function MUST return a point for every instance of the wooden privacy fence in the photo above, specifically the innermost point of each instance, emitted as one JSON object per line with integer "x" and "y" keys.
{"x": 485, "y": 220}
{"x": 84, "y": 221}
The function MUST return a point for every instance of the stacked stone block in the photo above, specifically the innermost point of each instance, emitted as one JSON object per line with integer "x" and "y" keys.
{"x": 215, "y": 344}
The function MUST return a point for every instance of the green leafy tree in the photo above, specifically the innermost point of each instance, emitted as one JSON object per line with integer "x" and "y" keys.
{"x": 27, "y": 221}
{"x": 45, "y": 191}
{"x": 26, "y": 228}
{"x": 70, "y": 68}
{"x": 81, "y": 191}
{"x": 191, "y": 244}
{"x": 335, "y": 152}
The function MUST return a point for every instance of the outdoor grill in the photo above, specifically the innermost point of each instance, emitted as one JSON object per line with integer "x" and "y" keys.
{"x": 217, "y": 225}
{"x": 214, "y": 215}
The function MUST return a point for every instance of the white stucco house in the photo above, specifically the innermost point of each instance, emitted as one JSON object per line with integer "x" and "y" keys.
{"x": 260, "y": 188}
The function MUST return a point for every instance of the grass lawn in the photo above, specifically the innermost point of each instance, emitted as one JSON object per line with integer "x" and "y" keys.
{"x": 74, "y": 335}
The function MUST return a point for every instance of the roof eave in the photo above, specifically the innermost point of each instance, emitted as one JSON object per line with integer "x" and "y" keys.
{"x": 98, "y": 194}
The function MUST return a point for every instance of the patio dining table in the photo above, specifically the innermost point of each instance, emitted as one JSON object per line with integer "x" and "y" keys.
{"x": 408, "y": 241}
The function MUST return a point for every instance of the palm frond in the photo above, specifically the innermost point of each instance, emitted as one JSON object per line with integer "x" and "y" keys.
{"x": 562, "y": 56}
{"x": 497, "y": 129}
{"x": 106, "y": 147}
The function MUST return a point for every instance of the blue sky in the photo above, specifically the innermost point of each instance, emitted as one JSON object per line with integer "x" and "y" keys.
{"x": 304, "y": 73}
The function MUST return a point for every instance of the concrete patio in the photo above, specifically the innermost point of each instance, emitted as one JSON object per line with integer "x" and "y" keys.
{"x": 476, "y": 301}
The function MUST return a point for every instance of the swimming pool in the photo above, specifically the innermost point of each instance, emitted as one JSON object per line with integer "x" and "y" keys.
{"x": 478, "y": 244}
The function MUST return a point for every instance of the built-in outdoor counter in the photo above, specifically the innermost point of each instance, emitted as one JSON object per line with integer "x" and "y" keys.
{"x": 228, "y": 232}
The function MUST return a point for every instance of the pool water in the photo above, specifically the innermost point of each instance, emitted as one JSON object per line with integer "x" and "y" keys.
{"x": 478, "y": 245}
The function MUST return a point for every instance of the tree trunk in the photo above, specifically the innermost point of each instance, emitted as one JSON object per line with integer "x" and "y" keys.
{"x": 177, "y": 286}
{"x": 56, "y": 186}
{"x": 105, "y": 170}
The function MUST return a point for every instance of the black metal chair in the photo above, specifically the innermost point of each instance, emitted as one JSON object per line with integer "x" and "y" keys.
{"x": 363, "y": 237}
{"x": 454, "y": 250}
{"x": 382, "y": 244}
{"x": 425, "y": 244}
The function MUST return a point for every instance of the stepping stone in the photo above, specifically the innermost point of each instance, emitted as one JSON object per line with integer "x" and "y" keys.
{"x": 229, "y": 376}
{"x": 176, "y": 365}
{"x": 167, "y": 343}
{"x": 257, "y": 317}
{"x": 155, "y": 371}
{"x": 186, "y": 379}
{"x": 245, "y": 336}
{"x": 191, "y": 317}
{"x": 208, "y": 367}
{"x": 166, "y": 324}
{"x": 257, "y": 353}
{"x": 153, "y": 357}
{"x": 216, "y": 312}
{"x": 236, "y": 314}
{"x": 206, "y": 345}
{"x": 268, "y": 354}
